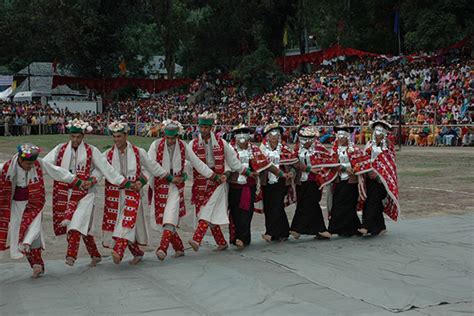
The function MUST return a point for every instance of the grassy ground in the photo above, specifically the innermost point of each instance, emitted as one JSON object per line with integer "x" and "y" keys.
{"x": 47, "y": 142}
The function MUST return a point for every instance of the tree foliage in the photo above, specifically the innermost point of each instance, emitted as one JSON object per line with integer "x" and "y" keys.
{"x": 93, "y": 36}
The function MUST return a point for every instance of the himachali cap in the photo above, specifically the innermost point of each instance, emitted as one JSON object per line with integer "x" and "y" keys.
{"x": 172, "y": 128}
{"x": 241, "y": 129}
{"x": 207, "y": 118}
{"x": 273, "y": 128}
{"x": 380, "y": 127}
{"x": 28, "y": 152}
{"x": 305, "y": 131}
{"x": 118, "y": 127}
{"x": 343, "y": 130}
{"x": 78, "y": 126}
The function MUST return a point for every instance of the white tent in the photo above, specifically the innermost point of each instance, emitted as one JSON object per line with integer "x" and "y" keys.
{"x": 30, "y": 95}
{"x": 4, "y": 94}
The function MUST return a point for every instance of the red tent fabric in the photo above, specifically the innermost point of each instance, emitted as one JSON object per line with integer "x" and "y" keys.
{"x": 109, "y": 84}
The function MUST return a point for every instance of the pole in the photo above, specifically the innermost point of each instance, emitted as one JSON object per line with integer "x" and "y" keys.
{"x": 400, "y": 113}
{"x": 399, "y": 43}
{"x": 29, "y": 86}
{"x": 136, "y": 123}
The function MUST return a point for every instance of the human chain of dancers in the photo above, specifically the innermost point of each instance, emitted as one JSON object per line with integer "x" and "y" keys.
{"x": 231, "y": 181}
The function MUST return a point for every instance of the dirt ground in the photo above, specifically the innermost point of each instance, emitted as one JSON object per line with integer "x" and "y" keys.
{"x": 433, "y": 181}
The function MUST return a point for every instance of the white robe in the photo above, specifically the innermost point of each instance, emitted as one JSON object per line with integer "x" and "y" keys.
{"x": 83, "y": 217}
{"x": 171, "y": 212}
{"x": 33, "y": 235}
{"x": 139, "y": 233}
{"x": 215, "y": 210}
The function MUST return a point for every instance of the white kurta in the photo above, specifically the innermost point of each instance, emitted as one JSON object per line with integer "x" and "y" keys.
{"x": 215, "y": 210}
{"x": 172, "y": 162}
{"x": 33, "y": 235}
{"x": 126, "y": 165}
{"x": 83, "y": 217}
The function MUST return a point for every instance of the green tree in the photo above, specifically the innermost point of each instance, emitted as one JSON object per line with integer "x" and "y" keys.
{"x": 258, "y": 71}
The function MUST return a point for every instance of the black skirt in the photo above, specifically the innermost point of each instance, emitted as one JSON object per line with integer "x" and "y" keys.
{"x": 276, "y": 221}
{"x": 372, "y": 217}
{"x": 241, "y": 218}
{"x": 308, "y": 217}
{"x": 344, "y": 220}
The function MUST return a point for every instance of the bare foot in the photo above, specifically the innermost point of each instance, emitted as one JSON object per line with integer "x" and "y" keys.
{"x": 295, "y": 235}
{"x": 325, "y": 234}
{"x": 194, "y": 244}
{"x": 382, "y": 232}
{"x": 160, "y": 254}
{"x": 116, "y": 257}
{"x": 222, "y": 247}
{"x": 135, "y": 260}
{"x": 37, "y": 271}
{"x": 267, "y": 238}
{"x": 240, "y": 244}
{"x": 363, "y": 231}
{"x": 95, "y": 261}
{"x": 178, "y": 254}
{"x": 70, "y": 261}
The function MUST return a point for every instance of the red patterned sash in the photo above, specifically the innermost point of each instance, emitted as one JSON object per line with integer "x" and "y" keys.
{"x": 385, "y": 167}
{"x": 64, "y": 208}
{"x": 36, "y": 201}
{"x": 203, "y": 188}
{"x": 162, "y": 185}
{"x": 112, "y": 199}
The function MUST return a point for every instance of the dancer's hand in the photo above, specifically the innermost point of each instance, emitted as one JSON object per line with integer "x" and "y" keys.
{"x": 177, "y": 180}
{"x": 222, "y": 178}
{"x": 137, "y": 186}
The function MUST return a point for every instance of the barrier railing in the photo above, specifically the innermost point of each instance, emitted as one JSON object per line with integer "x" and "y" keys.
{"x": 422, "y": 135}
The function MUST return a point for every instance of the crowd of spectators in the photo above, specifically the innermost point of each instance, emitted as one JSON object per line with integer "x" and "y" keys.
{"x": 436, "y": 109}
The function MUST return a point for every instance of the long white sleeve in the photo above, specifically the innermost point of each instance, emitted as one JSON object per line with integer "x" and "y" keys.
{"x": 151, "y": 165}
{"x": 57, "y": 173}
{"x": 105, "y": 169}
{"x": 197, "y": 163}
{"x": 231, "y": 158}
{"x": 52, "y": 156}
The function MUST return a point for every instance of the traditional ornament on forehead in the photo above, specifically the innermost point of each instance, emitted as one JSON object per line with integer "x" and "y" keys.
{"x": 273, "y": 129}
{"x": 78, "y": 126}
{"x": 118, "y": 127}
{"x": 171, "y": 128}
{"x": 28, "y": 152}
{"x": 207, "y": 118}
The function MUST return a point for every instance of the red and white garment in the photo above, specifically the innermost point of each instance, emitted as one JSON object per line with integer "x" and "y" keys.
{"x": 121, "y": 206}
{"x": 161, "y": 187}
{"x": 203, "y": 188}
{"x": 10, "y": 209}
{"x": 209, "y": 197}
{"x": 254, "y": 158}
{"x": 20, "y": 217}
{"x": 280, "y": 156}
{"x": 383, "y": 163}
{"x": 66, "y": 198}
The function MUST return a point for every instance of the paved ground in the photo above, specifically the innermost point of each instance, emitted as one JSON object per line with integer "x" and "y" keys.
{"x": 423, "y": 267}
{"x": 425, "y": 260}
